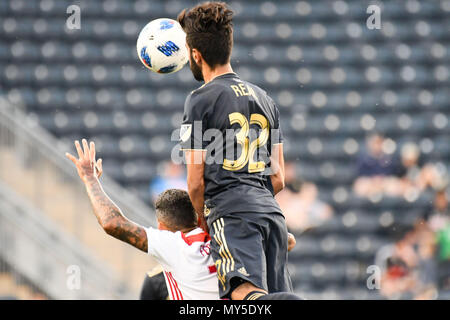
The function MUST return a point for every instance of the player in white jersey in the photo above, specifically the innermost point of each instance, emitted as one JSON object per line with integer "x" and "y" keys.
{"x": 157, "y": 287}
{"x": 188, "y": 268}
{"x": 178, "y": 244}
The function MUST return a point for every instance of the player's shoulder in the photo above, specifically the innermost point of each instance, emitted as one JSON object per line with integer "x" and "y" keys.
{"x": 260, "y": 92}
{"x": 207, "y": 96}
{"x": 160, "y": 234}
{"x": 255, "y": 87}
{"x": 202, "y": 96}
{"x": 210, "y": 90}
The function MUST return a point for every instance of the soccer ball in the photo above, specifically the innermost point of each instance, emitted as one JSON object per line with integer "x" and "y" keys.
{"x": 161, "y": 46}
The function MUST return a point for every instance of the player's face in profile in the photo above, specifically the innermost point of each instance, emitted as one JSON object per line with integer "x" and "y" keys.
{"x": 195, "y": 68}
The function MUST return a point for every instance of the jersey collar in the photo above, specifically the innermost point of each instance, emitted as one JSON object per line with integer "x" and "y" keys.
{"x": 226, "y": 75}
{"x": 196, "y": 235}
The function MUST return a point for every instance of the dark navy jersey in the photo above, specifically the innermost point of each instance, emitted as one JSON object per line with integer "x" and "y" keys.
{"x": 236, "y": 123}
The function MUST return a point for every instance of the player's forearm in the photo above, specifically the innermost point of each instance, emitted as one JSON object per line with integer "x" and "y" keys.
{"x": 111, "y": 218}
{"x": 277, "y": 183}
{"x": 197, "y": 196}
{"x": 104, "y": 208}
{"x": 196, "y": 193}
{"x": 277, "y": 178}
{"x": 277, "y": 167}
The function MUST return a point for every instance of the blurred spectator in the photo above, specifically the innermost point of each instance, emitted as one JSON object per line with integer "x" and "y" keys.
{"x": 439, "y": 222}
{"x": 423, "y": 271}
{"x": 397, "y": 281}
{"x": 375, "y": 162}
{"x": 411, "y": 272}
{"x": 380, "y": 173}
{"x": 300, "y": 203}
{"x": 170, "y": 175}
{"x": 439, "y": 217}
{"x": 414, "y": 176}
{"x": 375, "y": 168}
{"x": 443, "y": 237}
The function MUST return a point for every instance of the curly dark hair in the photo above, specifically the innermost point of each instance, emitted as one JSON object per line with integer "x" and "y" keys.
{"x": 209, "y": 29}
{"x": 174, "y": 208}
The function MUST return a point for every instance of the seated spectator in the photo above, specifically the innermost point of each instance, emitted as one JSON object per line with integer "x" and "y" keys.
{"x": 397, "y": 281}
{"x": 439, "y": 222}
{"x": 443, "y": 237}
{"x": 414, "y": 176}
{"x": 411, "y": 271}
{"x": 379, "y": 173}
{"x": 439, "y": 217}
{"x": 375, "y": 168}
{"x": 300, "y": 203}
{"x": 171, "y": 176}
{"x": 375, "y": 162}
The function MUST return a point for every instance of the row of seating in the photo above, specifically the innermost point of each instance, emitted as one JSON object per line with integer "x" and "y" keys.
{"x": 243, "y": 10}
{"x": 302, "y": 125}
{"x": 294, "y": 104}
{"x": 314, "y": 78}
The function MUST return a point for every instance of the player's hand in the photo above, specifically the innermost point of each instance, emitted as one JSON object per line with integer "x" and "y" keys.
{"x": 291, "y": 241}
{"x": 86, "y": 164}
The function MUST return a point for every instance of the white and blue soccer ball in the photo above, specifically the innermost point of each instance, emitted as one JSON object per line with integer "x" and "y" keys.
{"x": 161, "y": 46}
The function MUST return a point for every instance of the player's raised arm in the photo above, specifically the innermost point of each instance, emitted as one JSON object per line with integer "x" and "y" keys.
{"x": 108, "y": 214}
{"x": 196, "y": 184}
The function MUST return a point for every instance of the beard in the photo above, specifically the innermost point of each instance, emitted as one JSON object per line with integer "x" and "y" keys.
{"x": 196, "y": 69}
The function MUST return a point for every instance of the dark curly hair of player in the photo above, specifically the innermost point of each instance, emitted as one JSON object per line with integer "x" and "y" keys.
{"x": 209, "y": 29}
{"x": 175, "y": 209}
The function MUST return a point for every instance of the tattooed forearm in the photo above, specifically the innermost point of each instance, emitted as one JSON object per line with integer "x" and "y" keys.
{"x": 111, "y": 218}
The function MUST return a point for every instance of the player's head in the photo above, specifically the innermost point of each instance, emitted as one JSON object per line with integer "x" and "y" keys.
{"x": 209, "y": 35}
{"x": 174, "y": 211}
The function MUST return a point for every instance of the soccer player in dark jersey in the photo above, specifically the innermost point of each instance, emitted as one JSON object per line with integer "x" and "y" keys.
{"x": 154, "y": 286}
{"x": 233, "y": 148}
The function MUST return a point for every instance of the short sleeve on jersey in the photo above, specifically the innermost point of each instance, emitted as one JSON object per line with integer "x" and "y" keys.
{"x": 194, "y": 123}
{"x": 162, "y": 245}
{"x": 277, "y": 135}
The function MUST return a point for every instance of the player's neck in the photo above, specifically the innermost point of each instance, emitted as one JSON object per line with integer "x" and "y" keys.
{"x": 210, "y": 74}
{"x": 185, "y": 231}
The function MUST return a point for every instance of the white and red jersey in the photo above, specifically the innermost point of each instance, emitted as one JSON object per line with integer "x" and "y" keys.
{"x": 185, "y": 258}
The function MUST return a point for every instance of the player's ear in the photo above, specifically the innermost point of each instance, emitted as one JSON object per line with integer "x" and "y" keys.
{"x": 162, "y": 226}
{"x": 197, "y": 56}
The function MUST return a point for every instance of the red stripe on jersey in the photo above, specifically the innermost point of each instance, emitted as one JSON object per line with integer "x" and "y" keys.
{"x": 171, "y": 286}
{"x": 200, "y": 237}
{"x": 176, "y": 287}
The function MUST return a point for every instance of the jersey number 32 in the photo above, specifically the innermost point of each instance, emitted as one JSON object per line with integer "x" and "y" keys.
{"x": 248, "y": 148}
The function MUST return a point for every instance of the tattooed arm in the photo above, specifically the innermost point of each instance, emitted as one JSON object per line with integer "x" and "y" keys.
{"x": 111, "y": 218}
{"x": 108, "y": 214}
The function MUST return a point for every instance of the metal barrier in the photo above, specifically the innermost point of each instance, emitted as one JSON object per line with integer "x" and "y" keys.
{"x": 32, "y": 163}
{"x": 54, "y": 261}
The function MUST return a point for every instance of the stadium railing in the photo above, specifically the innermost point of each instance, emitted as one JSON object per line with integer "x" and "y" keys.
{"x": 32, "y": 163}
{"x": 53, "y": 260}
